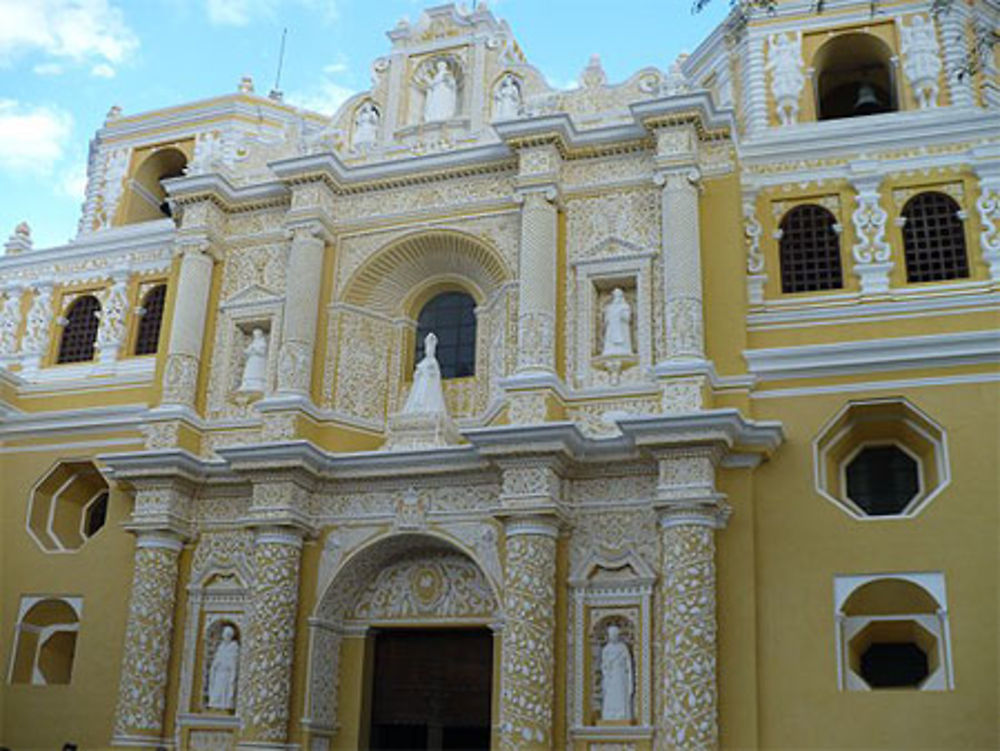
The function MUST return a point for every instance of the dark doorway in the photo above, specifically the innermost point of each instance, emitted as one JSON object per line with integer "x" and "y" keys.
{"x": 431, "y": 690}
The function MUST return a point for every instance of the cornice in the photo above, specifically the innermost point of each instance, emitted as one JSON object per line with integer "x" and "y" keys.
{"x": 865, "y": 357}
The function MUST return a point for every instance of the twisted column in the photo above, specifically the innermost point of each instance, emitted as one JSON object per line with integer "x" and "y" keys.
{"x": 194, "y": 283}
{"x": 527, "y": 678}
{"x": 142, "y": 691}
{"x": 298, "y": 328}
{"x": 265, "y": 690}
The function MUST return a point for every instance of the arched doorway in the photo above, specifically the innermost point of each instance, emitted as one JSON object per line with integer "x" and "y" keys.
{"x": 402, "y": 651}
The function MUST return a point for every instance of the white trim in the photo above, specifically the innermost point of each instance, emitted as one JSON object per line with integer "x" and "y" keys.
{"x": 89, "y": 420}
{"x": 863, "y": 357}
{"x": 93, "y": 374}
{"x": 867, "y": 386}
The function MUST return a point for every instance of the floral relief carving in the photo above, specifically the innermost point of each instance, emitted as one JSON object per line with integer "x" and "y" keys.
{"x": 614, "y": 532}
{"x": 922, "y": 61}
{"x": 597, "y": 419}
{"x": 364, "y": 358}
{"x": 684, "y": 327}
{"x": 687, "y": 716}
{"x": 442, "y": 586}
{"x": 266, "y": 688}
{"x": 114, "y": 307}
{"x": 180, "y": 376}
{"x": 262, "y": 267}
{"x": 869, "y": 226}
{"x": 528, "y": 659}
{"x": 142, "y": 691}
{"x": 36, "y": 330}
{"x": 216, "y": 551}
{"x": 10, "y": 321}
{"x": 294, "y": 360}
{"x": 210, "y": 740}
{"x": 632, "y": 217}
{"x": 536, "y": 340}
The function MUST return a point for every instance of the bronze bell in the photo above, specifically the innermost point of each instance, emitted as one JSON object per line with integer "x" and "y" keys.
{"x": 867, "y": 101}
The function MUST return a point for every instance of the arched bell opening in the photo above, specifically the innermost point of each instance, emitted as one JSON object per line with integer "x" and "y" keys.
{"x": 402, "y": 649}
{"x": 147, "y": 199}
{"x": 854, "y": 77}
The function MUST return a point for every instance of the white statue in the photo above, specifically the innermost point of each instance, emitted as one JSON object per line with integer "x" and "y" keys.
{"x": 255, "y": 369}
{"x": 442, "y": 94}
{"x": 507, "y": 99}
{"x": 222, "y": 673}
{"x": 787, "y": 77}
{"x": 366, "y": 125}
{"x": 617, "y": 331}
{"x": 923, "y": 63}
{"x": 426, "y": 395}
{"x": 616, "y": 678}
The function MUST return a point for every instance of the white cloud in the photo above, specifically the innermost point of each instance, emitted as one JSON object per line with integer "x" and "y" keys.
{"x": 73, "y": 182}
{"x": 243, "y": 12}
{"x": 48, "y": 69}
{"x": 326, "y": 97}
{"x": 77, "y": 30}
{"x": 32, "y": 138}
{"x": 102, "y": 70}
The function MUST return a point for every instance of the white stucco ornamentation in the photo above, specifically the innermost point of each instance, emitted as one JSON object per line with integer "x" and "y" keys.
{"x": 142, "y": 691}
{"x": 366, "y": 126}
{"x": 872, "y": 253}
{"x": 528, "y": 652}
{"x": 10, "y": 320}
{"x": 441, "y": 93}
{"x": 922, "y": 62}
{"x": 254, "y": 379}
{"x": 265, "y": 692}
{"x": 113, "y": 186}
{"x": 180, "y": 376}
{"x": 507, "y": 98}
{"x": 988, "y": 206}
{"x": 39, "y": 320}
{"x": 687, "y": 716}
{"x": 787, "y": 77}
{"x": 112, "y": 331}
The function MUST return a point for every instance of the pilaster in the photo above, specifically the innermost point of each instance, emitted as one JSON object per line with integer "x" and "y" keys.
{"x": 988, "y": 206}
{"x": 872, "y": 253}
{"x": 38, "y": 327}
{"x": 114, "y": 309}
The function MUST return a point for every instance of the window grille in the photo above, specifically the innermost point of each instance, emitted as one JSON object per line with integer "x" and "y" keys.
{"x": 809, "y": 250}
{"x": 452, "y": 318}
{"x": 148, "y": 335}
{"x": 933, "y": 239}
{"x": 80, "y": 331}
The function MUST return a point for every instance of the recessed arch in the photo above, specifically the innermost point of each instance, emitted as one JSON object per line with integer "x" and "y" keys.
{"x": 146, "y": 198}
{"x": 404, "y": 273}
{"x": 854, "y": 77}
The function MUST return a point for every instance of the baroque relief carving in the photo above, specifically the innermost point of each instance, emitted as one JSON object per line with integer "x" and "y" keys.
{"x": 631, "y": 216}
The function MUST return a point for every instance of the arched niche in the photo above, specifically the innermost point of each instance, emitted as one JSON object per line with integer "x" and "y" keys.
{"x": 409, "y": 579}
{"x": 146, "y": 198}
{"x": 854, "y": 76}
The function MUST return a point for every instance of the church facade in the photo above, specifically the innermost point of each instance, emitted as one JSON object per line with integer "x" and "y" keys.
{"x": 658, "y": 414}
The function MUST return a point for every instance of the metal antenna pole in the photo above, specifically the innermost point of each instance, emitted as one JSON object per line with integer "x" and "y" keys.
{"x": 276, "y": 91}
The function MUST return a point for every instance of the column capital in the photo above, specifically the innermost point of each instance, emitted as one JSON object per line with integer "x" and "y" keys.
{"x": 161, "y": 516}
{"x": 197, "y": 245}
{"x": 308, "y": 231}
{"x": 684, "y": 177}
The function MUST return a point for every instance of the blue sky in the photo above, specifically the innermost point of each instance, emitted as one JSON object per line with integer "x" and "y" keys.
{"x": 63, "y": 63}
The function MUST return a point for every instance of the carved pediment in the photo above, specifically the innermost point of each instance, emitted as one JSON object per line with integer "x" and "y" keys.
{"x": 252, "y": 295}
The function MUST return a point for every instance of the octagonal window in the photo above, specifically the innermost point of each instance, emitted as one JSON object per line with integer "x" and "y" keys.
{"x": 881, "y": 459}
{"x": 68, "y": 506}
{"x": 882, "y": 480}
{"x": 894, "y": 665}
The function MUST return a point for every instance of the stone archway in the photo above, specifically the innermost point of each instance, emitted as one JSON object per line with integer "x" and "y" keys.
{"x": 410, "y": 580}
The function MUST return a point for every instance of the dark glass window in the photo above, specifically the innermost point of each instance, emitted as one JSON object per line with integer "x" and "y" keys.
{"x": 80, "y": 331}
{"x": 882, "y": 480}
{"x": 97, "y": 514}
{"x": 148, "y": 336}
{"x": 894, "y": 665}
{"x": 452, "y": 318}
{"x": 809, "y": 250}
{"x": 933, "y": 239}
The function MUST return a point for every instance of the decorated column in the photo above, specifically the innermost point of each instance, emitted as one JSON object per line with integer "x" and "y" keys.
{"x": 37, "y": 327}
{"x": 871, "y": 251}
{"x": 530, "y": 501}
{"x": 534, "y": 383}
{"x": 114, "y": 308}
{"x": 10, "y": 321}
{"x": 195, "y": 246}
{"x": 988, "y": 206}
{"x": 142, "y": 691}
{"x": 298, "y": 330}
{"x": 158, "y": 522}
{"x": 690, "y": 512}
{"x": 265, "y": 690}
{"x": 527, "y": 678}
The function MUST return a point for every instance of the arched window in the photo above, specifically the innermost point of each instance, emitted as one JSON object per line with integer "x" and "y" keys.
{"x": 80, "y": 331}
{"x": 452, "y": 318}
{"x": 809, "y": 250}
{"x": 45, "y": 641}
{"x": 854, "y": 77}
{"x": 934, "y": 239}
{"x": 147, "y": 336}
